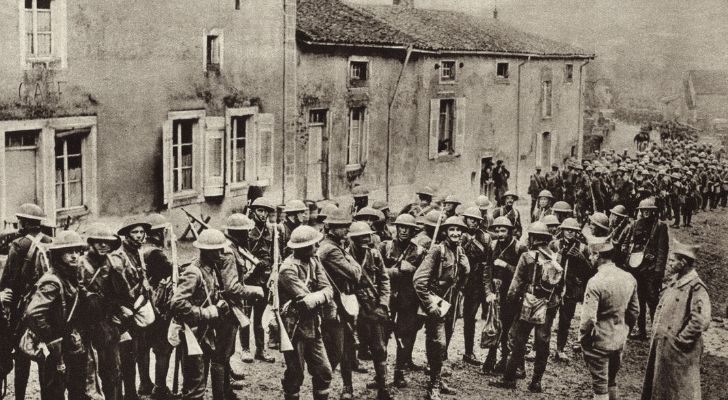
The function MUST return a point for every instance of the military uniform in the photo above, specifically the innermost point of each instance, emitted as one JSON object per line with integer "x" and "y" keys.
{"x": 650, "y": 236}
{"x": 260, "y": 244}
{"x": 512, "y": 215}
{"x": 477, "y": 247}
{"x": 296, "y": 280}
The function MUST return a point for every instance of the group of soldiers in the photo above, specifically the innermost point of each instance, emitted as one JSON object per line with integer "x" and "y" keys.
{"x": 341, "y": 283}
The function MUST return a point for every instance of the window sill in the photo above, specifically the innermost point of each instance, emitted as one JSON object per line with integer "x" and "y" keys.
{"x": 447, "y": 157}
{"x": 502, "y": 81}
{"x": 262, "y": 182}
{"x": 358, "y": 83}
{"x": 72, "y": 212}
{"x": 448, "y": 82}
{"x": 185, "y": 198}
{"x": 547, "y": 118}
{"x": 352, "y": 167}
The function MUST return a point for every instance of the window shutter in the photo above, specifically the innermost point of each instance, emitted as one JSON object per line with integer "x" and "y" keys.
{"x": 228, "y": 151}
{"x": 251, "y": 149}
{"x": 365, "y": 138}
{"x": 167, "y": 162}
{"x": 264, "y": 133}
{"x": 214, "y": 162}
{"x": 460, "y": 109}
{"x": 434, "y": 124}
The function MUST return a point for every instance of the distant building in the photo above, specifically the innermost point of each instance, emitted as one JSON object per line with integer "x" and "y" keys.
{"x": 403, "y": 97}
{"x": 705, "y": 100}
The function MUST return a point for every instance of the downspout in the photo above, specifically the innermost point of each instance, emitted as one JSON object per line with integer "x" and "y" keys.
{"x": 580, "y": 117}
{"x": 518, "y": 120}
{"x": 389, "y": 122}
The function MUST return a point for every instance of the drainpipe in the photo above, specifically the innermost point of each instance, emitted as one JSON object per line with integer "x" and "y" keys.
{"x": 389, "y": 122}
{"x": 518, "y": 119}
{"x": 579, "y": 118}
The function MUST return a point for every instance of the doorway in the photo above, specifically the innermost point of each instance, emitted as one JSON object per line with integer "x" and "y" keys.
{"x": 317, "y": 164}
{"x": 486, "y": 177}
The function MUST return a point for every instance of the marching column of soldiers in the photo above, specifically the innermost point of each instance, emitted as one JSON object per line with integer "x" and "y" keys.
{"x": 341, "y": 283}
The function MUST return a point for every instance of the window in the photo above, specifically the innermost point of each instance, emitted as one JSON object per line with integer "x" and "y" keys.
{"x": 359, "y": 71}
{"x": 317, "y": 117}
{"x": 182, "y": 155}
{"x": 238, "y": 142}
{"x": 546, "y": 99}
{"x": 69, "y": 171}
{"x": 447, "y": 71}
{"x": 446, "y": 126}
{"x": 569, "y": 73}
{"x": 213, "y": 53}
{"x": 42, "y": 33}
{"x": 357, "y": 141}
{"x": 20, "y": 139}
{"x": 38, "y": 32}
{"x": 501, "y": 70}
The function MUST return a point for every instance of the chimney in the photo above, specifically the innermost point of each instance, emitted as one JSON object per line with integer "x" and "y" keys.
{"x": 404, "y": 3}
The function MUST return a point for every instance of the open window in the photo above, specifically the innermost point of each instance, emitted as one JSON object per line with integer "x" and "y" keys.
{"x": 447, "y": 127}
{"x": 213, "y": 45}
{"x": 502, "y": 71}
{"x": 42, "y": 26}
{"x": 448, "y": 71}
{"x": 357, "y": 138}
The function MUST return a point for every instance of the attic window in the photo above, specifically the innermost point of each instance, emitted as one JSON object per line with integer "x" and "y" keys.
{"x": 359, "y": 70}
{"x": 447, "y": 71}
{"x": 569, "y": 73}
{"x": 501, "y": 70}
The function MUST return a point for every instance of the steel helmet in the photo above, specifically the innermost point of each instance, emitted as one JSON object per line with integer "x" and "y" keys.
{"x": 368, "y": 212}
{"x": 502, "y": 221}
{"x": 599, "y": 244}
{"x": 327, "y": 210}
{"x": 295, "y": 206}
{"x": 133, "y": 222}
{"x": 338, "y": 217}
{"x": 550, "y": 220}
{"x": 570, "y": 223}
{"x": 238, "y": 222}
{"x": 406, "y": 220}
{"x": 380, "y": 205}
{"x": 432, "y": 218}
{"x": 211, "y": 239}
{"x": 483, "y": 202}
{"x": 547, "y": 194}
{"x": 510, "y": 194}
{"x": 359, "y": 191}
{"x": 262, "y": 202}
{"x": 426, "y": 191}
{"x": 648, "y": 203}
{"x": 538, "y": 228}
{"x": 304, "y": 236}
{"x": 619, "y": 210}
{"x": 101, "y": 232}
{"x": 359, "y": 228}
{"x": 30, "y": 211}
{"x": 473, "y": 212}
{"x": 561, "y": 206}
{"x": 600, "y": 219}
{"x": 156, "y": 221}
{"x": 454, "y": 221}
{"x": 451, "y": 199}
{"x": 67, "y": 240}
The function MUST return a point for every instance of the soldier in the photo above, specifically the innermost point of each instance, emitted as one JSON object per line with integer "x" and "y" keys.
{"x": 110, "y": 301}
{"x": 599, "y": 224}
{"x": 450, "y": 204}
{"x": 437, "y": 280}
{"x": 159, "y": 269}
{"x": 344, "y": 274}
{"x": 621, "y": 226}
{"x": 650, "y": 236}
{"x": 552, "y": 223}
{"x": 294, "y": 211}
{"x": 381, "y": 227}
{"x": 484, "y": 205}
{"x": 562, "y": 210}
{"x": 577, "y": 271}
{"x": 22, "y": 270}
{"x": 536, "y": 184}
{"x": 507, "y": 210}
{"x": 401, "y": 258}
{"x": 304, "y": 289}
{"x": 543, "y": 206}
{"x": 373, "y": 294}
{"x": 134, "y": 233}
{"x": 423, "y": 204}
{"x": 609, "y": 313}
{"x": 478, "y": 290}
{"x": 691, "y": 199}
{"x": 555, "y": 182}
{"x": 371, "y": 217}
{"x": 538, "y": 282}
{"x": 506, "y": 251}
{"x": 500, "y": 181}
{"x": 53, "y": 316}
{"x": 425, "y": 237}
{"x": 260, "y": 244}
{"x": 673, "y": 366}
{"x": 361, "y": 198}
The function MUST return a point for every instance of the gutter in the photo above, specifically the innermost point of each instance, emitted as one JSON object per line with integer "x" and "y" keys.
{"x": 580, "y": 117}
{"x": 518, "y": 120}
{"x": 389, "y": 121}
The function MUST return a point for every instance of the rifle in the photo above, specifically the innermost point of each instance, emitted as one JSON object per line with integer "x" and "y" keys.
{"x": 274, "y": 300}
{"x": 243, "y": 251}
{"x": 175, "y": 279}
{"x": 6, "y": 238}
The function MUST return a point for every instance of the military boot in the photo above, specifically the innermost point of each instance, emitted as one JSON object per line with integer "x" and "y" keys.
{"x": 217, "y": 381}
{"x": 400, "y": 381}
{"x": 433, "y": 389}
{"x": 613, "y": 393}
{"x": 347, "y": 393}
{"x": 446, "y": 389}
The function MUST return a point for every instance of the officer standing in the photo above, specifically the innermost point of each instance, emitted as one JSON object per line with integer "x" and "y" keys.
{"x": 303, "y": 290}
{"x": 536, "y": 184}
{"x": 507, "y": 210}
{"x": 361, "y": 198}
{"x": 373, "y": 294}
{"x": 294, "y": 210}
{"x": 401, "y": 258}
{"x": 436, "y": 280}
{"x": 20, "y": 274}
{"x": 610, "y": 311}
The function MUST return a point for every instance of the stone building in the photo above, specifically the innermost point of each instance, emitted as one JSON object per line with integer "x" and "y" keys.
{"x": 397, "y": 97}
{"x": 705, "y": 99}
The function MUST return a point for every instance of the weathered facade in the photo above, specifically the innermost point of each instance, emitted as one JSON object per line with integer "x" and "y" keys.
{"x": 395, "y": 98}
{"x": 705, "y": 99}
{"x": 123, "y": 107}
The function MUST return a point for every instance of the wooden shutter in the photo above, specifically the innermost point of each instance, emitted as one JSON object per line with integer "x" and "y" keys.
{"x": 214, "y": 161}
{"x": 364, "y": 145}
{"x": 167, "y": 162}
{"x": 434, "y": 126}
{"x": 264, "y": 139}
{"x": 460, "y": 109}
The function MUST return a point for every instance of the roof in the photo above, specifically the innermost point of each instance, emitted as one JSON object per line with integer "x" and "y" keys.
{"x": 333, "y": 22}
{"x": 706, "y": 82}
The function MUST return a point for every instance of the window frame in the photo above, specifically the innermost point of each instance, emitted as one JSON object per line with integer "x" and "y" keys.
{"x": 459, "y": 124}
{"x": 443, "y": 78}
{"x": 57, "y": 59}
{"x": 220, "y": 39}
{"x": 358, "y": 82}
{"x": 363, "y": 139}
{"x": 248, "y": 113}
{"x": 500, "y": 78}
{"x": 547, "y": 106}
{"x": 451, "y": 125}
{"x": 569, "y": 70}
{"x": 45, "y": 176}
{"x": 66, "y": 182}
{"x": 196, "y": 194}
